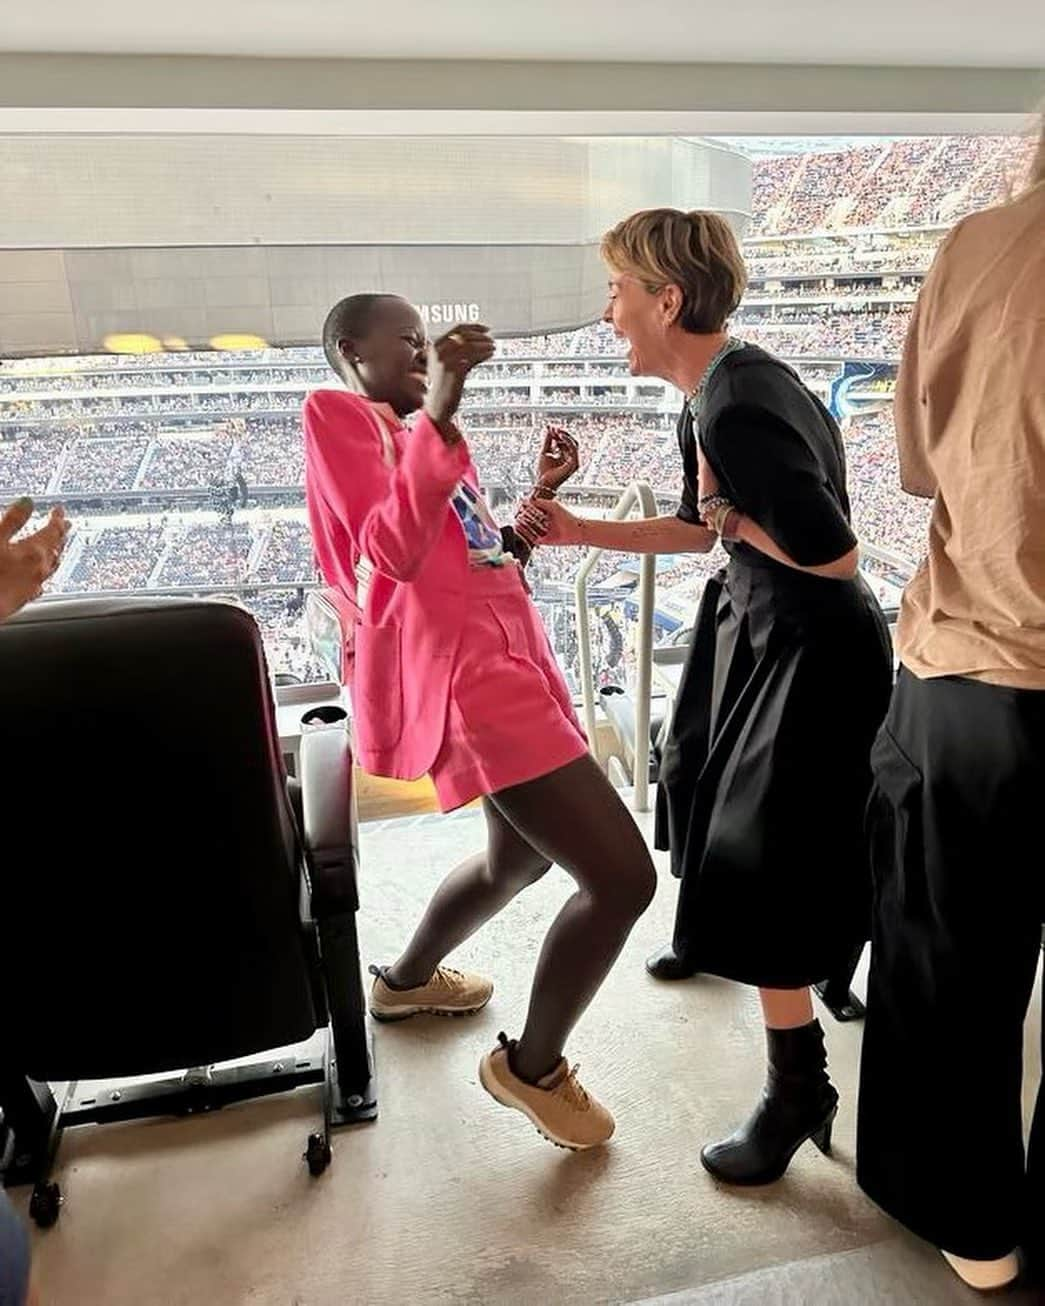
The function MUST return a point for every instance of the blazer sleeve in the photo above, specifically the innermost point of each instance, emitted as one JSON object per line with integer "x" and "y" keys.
{"x": 393, "y": 514}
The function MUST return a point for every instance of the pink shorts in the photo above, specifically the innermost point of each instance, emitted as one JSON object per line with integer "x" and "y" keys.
{"x": 510, "y": 716}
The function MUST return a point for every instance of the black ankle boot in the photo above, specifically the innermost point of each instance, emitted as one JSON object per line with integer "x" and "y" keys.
{"x": 799, "y": 1102}
{"x": 668, "y": 965}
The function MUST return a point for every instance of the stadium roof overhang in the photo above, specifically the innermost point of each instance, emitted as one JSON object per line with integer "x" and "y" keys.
{"x": 584, "y": 67}
{"x": 124, "y": 241}
{"x": 511, "y": 96}
{"x": 542, "y": 67}
{"x": 103, "y": 109}
{"x": 941, "y": 33}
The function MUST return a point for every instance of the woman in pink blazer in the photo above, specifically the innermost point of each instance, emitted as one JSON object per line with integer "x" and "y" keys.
{"x": 451, "y": 674}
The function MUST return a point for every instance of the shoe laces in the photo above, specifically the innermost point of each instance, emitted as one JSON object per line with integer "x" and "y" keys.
{"x": 569, "y": 1088}
{"x": 446, "y": 977}
{"x": 573, "y": 1091}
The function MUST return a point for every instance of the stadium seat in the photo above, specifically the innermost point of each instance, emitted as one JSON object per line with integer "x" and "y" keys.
{"x": 169, "y": 900}
{"x": 619, "y": 706}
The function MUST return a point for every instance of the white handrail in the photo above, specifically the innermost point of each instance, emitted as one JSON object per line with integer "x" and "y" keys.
{"x": 638, "y": 494}
{"x": 902, "y": 564}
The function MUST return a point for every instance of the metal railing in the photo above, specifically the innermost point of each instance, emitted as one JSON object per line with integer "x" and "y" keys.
{"x": 902, "y": 564}
{"x": 639, "y": 495}
{"x": 903, "y": 567}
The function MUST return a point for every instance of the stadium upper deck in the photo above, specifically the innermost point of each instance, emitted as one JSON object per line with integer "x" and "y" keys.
{"x": 119, "y": 436}
{"x": 889, "y": 186}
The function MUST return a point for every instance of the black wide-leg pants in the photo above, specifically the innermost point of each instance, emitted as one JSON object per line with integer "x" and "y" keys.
{"x": 956, "y": 822}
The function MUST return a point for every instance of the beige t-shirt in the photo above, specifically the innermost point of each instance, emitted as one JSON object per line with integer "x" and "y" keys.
{"x": 970, "y": 426}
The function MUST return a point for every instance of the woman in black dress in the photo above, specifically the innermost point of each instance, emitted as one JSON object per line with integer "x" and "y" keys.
{"x": 767, "y": 774}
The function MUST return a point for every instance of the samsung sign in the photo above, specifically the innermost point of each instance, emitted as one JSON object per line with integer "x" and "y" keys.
{"x": 145, "y": 300}
{"x": 448, "y": 314}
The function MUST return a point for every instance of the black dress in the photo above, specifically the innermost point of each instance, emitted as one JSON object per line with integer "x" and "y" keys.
{"x": 766, "y": 775}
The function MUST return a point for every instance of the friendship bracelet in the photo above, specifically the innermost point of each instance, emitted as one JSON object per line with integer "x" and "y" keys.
{"x": 529, "y": 526}
{"x": 525, "y": 534}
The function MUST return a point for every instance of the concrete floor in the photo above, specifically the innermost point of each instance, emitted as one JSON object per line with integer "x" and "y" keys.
{"x": 450, "y": 1199}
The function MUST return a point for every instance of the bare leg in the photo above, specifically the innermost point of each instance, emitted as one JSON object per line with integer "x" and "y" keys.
{"x": 473, "y": 892}
{"x": 786, "y": 1008}
{"x": 575, "y": 818}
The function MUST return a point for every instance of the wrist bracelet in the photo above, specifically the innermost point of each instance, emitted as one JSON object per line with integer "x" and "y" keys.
{"x": 710, "y": 502}
{"x": 540, "y": 491}
{"x": 527, "y": 531}
{"x": 716, "y": 515}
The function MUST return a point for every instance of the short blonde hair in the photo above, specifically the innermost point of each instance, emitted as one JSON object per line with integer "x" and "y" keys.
{"x": 695, "y": 251}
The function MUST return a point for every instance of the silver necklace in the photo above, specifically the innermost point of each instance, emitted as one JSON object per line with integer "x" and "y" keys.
{"x": 729, "y": 346}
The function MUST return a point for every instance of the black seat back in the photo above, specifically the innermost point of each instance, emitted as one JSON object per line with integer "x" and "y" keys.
{"x": 149, "y": 886}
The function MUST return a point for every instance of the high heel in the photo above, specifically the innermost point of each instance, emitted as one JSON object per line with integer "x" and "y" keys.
{"x": 822, "y": 1137}
{"x": 798, "y": 1104}
{"x": 668, "y": 965}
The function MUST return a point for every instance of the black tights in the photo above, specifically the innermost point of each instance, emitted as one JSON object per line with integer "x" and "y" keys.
{"x": 575, "y": 818}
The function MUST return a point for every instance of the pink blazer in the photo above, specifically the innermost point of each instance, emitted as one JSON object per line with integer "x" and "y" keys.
{"x": 399, "y": 518}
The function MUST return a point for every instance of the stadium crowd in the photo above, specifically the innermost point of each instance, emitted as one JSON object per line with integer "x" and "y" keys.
{"x": 165, "y": 373}
{"x": 287, "y": 555}
{"x": 115, "y": 558}
{"x": 922, "y": 181}
{"x": 207, "y": 555}
{"x": 819, "y": 291}
{"x": 187, "y": 552}
{"x": 138, "y": 425}
{"x": 882, "y": 514}
{"x": 866, "y": 253}
{"x": 187, "y": 462}
{"x": 26, "y": 466}
{"x": 270, "y": 452}
{"x": 93, "y": 466}
{"x": 616, "y": 456}
{"x": 865, "y": 334}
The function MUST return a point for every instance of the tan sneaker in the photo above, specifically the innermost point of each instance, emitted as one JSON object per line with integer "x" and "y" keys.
{"x": 557, "y": 1104}
{"x": 448, "y": 993}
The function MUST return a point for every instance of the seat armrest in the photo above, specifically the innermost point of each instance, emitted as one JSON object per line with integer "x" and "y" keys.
{"x": 328, "y": 819}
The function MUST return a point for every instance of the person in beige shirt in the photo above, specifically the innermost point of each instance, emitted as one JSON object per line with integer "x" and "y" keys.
{"x": 970, "y": 426}
{"x": 960, "y": 765}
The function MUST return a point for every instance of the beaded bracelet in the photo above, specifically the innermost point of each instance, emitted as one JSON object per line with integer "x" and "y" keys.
{"x": 710, "y": 502}
{"x": 527, "y": 527}
{"x": 715, "y": 516}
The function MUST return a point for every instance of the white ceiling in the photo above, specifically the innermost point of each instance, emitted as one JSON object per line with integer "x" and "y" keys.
{"x": 944, "y": 33}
